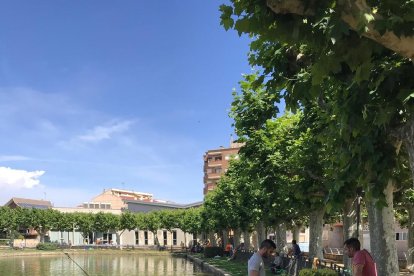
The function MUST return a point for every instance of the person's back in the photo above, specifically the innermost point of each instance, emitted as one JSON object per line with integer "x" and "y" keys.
{"x": 256, "y": 264}
{"x": 363, "y": 258}
{"x": 296, "y": 250}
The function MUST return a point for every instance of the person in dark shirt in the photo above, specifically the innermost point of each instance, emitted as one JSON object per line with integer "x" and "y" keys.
{"x": 294, "y": 262}
{"x": 295, "y": 250}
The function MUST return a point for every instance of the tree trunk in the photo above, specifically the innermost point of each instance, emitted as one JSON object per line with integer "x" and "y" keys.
{"x": 246, "y": 238}
{"x": 212, "y": 238}
{"x": 11, "y": 238}
{"x": 296, "y": 231}
{"x": 280, "y": 236}
{"x": 315, "y": 235}
{"x": 350, "y": 228}
{"x": 118, "y": 238}
{"x": 225, "y": 239}
{"x": 407, "y": 134}
{"x": 382, "y": 234}
{"x": 156, "y": 238}
{"x": 185, "y": 241}
{"x": 410, "y": 255}
{"x": 236, "y": 238}
{"x": 261, "y": 234}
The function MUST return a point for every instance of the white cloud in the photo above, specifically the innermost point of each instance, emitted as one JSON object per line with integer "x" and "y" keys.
{"x": 17, "y": 179}
{"x": 105, "y": 132}
{"x": 6, "y": 158}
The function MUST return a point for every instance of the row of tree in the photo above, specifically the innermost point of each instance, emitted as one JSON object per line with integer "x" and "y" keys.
{"x": 45, "y": 220}
{"x": 347, "y": 66}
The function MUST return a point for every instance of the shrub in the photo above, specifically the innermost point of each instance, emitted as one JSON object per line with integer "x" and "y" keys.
{"x": 4, "y": 242}
{"x": 318, "y": 272}
{"x": 210, "y": 252}
{"x": 47, "y": 246}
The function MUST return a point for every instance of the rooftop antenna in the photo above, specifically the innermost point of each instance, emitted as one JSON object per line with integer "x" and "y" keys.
{"x": 231, "y": 139}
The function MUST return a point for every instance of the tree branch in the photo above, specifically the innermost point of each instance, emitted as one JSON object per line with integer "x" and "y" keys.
{"x": 402, "y": 45}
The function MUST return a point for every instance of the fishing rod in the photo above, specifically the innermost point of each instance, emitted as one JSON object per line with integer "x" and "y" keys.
{"x": 67, "y": 254}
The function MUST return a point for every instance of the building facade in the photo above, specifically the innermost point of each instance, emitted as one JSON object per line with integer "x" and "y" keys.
{"x": 116, "y": 201}
{"x": 216, "y": 163}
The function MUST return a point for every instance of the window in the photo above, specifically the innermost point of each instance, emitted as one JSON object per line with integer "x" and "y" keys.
{"x": 164, "y": 235}
{"x": 136, "y": 237}
{"x": 174, "y": 237}
{"x": 401, "y": 236}
{"x": 217, "y": 158}
{"x": 146, "y": 237}
{"x": 217, "y": 170}
{"x": 209, "y": 170}
{"x": 209, "y": 159}
{"x": 107, "y": 238}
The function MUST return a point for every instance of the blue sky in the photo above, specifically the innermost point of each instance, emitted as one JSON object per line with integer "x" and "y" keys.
{"x": 113, "y": 94}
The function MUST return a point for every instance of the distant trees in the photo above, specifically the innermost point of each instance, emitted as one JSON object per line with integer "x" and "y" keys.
{"x": 13, "y": 220}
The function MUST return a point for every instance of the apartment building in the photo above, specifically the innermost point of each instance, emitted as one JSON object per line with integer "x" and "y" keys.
{"x": 216, "y": 163}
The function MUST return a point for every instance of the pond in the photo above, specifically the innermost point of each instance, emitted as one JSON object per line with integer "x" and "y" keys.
{"x": 98, "y": 265}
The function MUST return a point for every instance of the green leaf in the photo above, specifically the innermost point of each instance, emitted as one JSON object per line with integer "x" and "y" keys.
{"x": 226, "y": 21}
{"x": 242, "y": 26}
{"x": 369, "y": 17}
{"x": 363, "y": 72}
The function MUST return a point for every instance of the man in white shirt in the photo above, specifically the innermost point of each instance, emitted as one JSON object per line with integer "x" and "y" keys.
{"x": 255, "y": 266}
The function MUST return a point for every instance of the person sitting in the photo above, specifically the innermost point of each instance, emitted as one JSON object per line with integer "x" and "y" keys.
{"x": 239, "y": 248}
{"x": 228, "y": 250}
{"x": 277, "y": 262}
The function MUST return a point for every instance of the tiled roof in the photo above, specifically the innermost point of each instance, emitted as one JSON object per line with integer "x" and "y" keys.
{"x": 30, "y": 203}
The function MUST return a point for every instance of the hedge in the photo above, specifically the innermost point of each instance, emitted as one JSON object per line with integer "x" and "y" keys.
{"x": 47, "y": 246}
{"x": 318, "y": 272}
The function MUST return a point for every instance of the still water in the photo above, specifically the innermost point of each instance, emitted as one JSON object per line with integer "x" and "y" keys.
{"x": 98, "y": 265}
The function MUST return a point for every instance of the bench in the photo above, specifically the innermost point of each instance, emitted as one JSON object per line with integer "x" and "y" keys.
{"x": 335, "y": 254}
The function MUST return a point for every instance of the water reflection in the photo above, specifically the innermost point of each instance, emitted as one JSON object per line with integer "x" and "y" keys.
{"x": 97, "y": 265}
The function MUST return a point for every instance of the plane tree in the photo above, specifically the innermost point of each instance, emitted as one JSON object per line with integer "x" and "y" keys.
{"x": 106, "y": 222}
{"x": 66, "y": 223}
{"x": 127, "y": 221}
{"x": 43, "y": 220}
{"x": 151, "y": 222}
{"x": 84, "y": 223}
{"x": 9, "y": 222}
{"x": 189, "y": 221}
{"x": 286, "y": 158}
{"x": 169, "y": 220}
{"x": 306, "y": 52}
